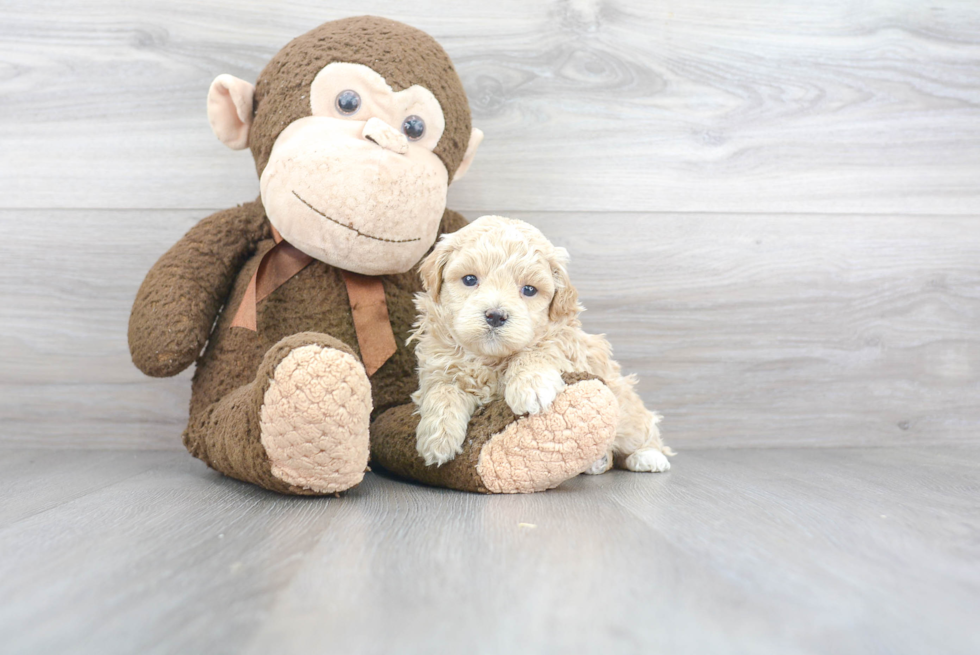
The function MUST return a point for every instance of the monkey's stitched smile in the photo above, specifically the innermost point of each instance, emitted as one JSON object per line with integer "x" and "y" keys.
{"x": 352, "y": 228}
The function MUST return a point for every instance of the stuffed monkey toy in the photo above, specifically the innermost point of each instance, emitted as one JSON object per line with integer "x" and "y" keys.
{"x": 296, "y": 306}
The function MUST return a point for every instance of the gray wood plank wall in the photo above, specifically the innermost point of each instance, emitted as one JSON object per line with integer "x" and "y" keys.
{"x": 772, "y": 208}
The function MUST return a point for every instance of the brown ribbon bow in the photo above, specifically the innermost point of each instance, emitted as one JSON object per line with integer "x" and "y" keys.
{"x": 366, "y": 293}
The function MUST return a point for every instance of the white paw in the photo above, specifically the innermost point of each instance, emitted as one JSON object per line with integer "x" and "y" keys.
{"x": 600, "y": 466}
{"x": 648, "y": 459}
{"x": 533, "y": 393}
{"x": 438, "y": 441}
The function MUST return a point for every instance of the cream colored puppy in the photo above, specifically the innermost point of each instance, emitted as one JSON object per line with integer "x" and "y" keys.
{"x": 499, "y": 319}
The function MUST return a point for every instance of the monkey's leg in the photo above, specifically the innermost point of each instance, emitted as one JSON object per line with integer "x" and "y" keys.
{"x": 505, "y": 453}
{"x": 301, "y": 427}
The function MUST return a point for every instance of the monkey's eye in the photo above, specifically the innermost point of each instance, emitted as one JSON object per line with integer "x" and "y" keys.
{"x": 348, "y": 102}
{"x": 414, "y": 128}
{"x": 528, "y": 290}
{"x": 469, "y": 280}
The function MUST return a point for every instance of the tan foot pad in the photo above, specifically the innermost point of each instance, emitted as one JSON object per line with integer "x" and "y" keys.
{"x": 542, "y": 451}
{"x": 315, "y": 419}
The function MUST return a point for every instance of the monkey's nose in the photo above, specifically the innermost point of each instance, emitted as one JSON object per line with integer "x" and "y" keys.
{"x": 496, "y": 317}
{"x": 385, "y": 135}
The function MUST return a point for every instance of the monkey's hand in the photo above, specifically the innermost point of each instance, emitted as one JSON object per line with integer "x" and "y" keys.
{"x": 177, "y": 304}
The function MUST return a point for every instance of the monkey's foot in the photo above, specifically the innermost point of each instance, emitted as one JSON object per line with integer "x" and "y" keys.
{"x": 315, "y": 419}
{"x": 541, "y": 451}
{"x": 505, "y": 453}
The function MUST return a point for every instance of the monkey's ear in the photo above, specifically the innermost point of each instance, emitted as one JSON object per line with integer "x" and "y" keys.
{"x": 564, "y": 304}
{"x": 230, "y": 110}
{"x": 433, "y": 265}
{"x": 476, "y": 138}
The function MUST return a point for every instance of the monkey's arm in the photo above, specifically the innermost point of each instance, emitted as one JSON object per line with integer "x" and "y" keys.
{"x": 179, "y": 300}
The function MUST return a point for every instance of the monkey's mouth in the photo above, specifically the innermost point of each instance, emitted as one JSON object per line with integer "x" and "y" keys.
{"x": 352, "y": 228}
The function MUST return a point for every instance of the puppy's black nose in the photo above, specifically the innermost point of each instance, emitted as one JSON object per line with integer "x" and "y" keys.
{"x": 496, "y": 317}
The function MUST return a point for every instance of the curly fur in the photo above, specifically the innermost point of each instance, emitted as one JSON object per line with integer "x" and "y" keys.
{"x": 466, "y": 362}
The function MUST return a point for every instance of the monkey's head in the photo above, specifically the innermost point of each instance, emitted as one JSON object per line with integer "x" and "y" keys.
{"x": 357, "y": 128}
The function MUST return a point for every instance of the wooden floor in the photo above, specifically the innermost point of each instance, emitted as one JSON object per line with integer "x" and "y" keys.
{"x": 782, "y": 551}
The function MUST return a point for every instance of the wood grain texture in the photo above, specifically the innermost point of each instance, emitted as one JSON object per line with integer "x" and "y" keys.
{"x": 734, "y": 551}
{"x": 744, "y": 330}
{"x": 744, "y": 106}
{"x": 35, "y": 481}
{"x": 821, "y": 330}
{"x": 772, "y": 212}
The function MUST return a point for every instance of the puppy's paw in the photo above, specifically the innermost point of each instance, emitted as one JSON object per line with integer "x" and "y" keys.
{"x": 648, "y": 459}
{"x": 601, "y": 465}
{"x": 533, "y": 392}
{"x": 438, "y": 441}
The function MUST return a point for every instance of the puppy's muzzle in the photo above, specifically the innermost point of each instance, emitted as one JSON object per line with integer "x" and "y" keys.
{"x": 496, "y": 317}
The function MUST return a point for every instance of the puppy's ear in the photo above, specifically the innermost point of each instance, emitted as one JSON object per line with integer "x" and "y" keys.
{"x": 433, "y": 265}
{"x": 564, "y": 304}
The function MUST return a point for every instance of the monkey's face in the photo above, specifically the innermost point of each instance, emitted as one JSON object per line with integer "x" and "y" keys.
{"x": 353, "y": 172}
{"x": 356, "y": 184}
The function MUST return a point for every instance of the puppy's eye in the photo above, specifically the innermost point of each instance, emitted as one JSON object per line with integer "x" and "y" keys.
{"x": 528, "y": 290}
{"x": 469, "y": 280}
{"x": 348, "y": 102}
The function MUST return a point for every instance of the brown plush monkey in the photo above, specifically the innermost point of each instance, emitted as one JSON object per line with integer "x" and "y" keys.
{"x": 302, "y": 299}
